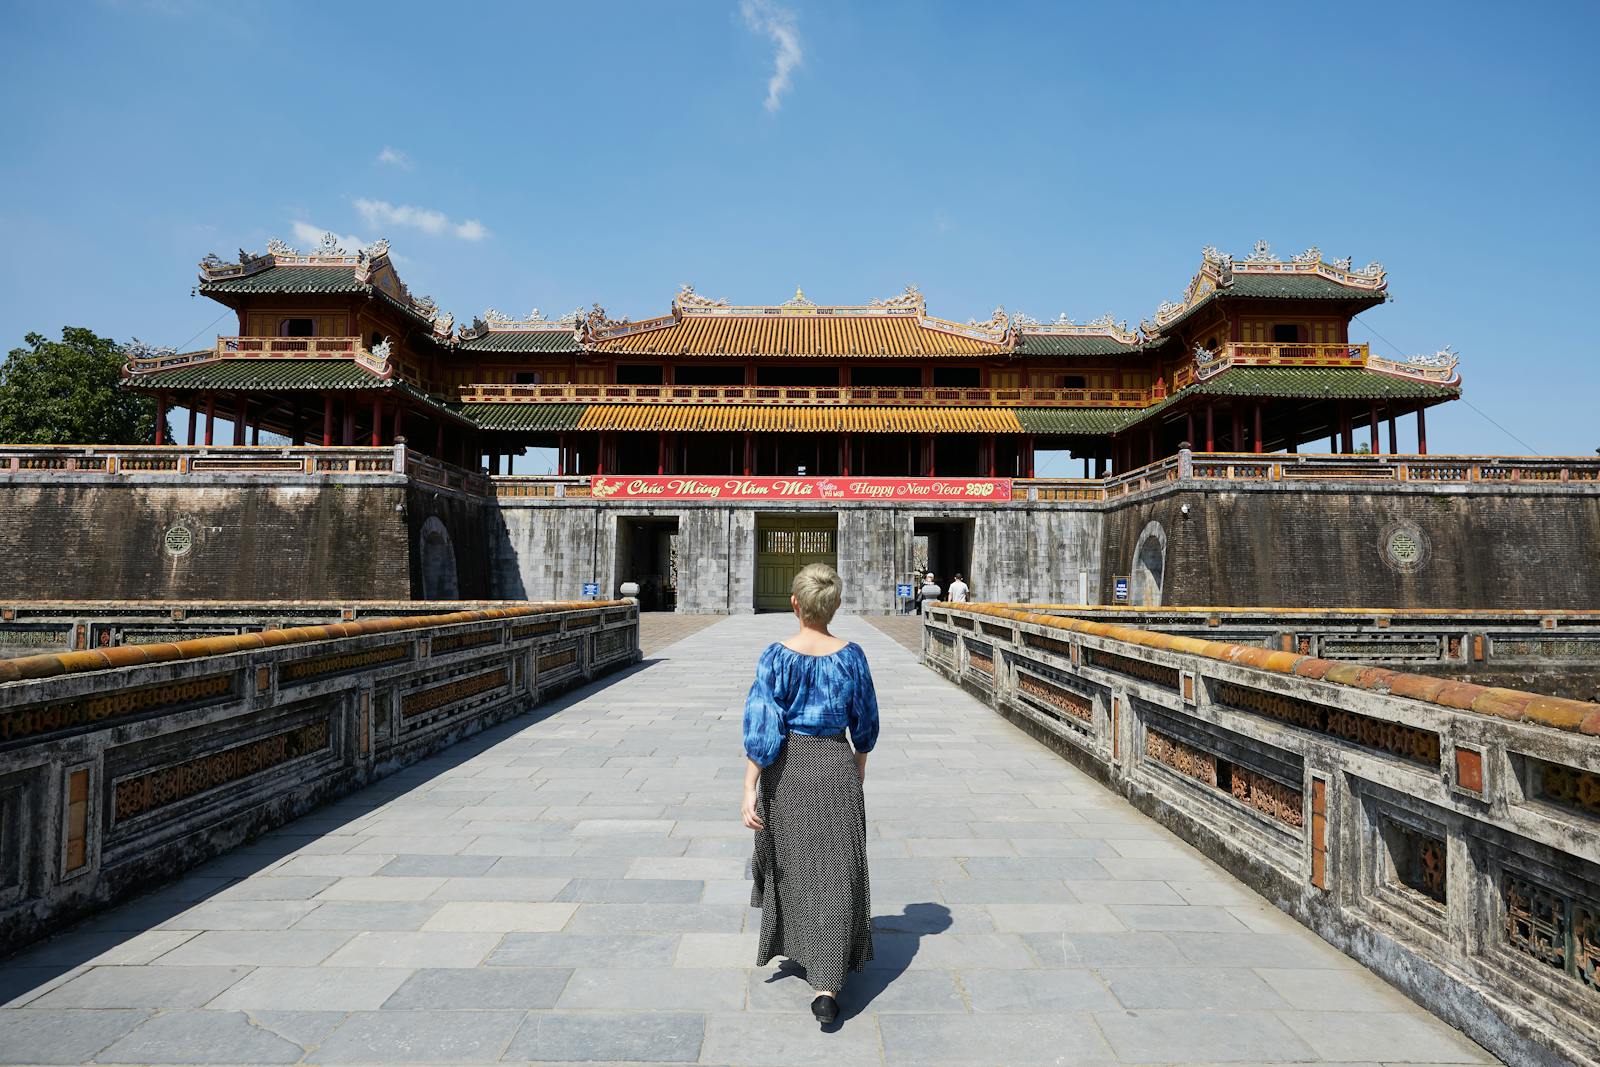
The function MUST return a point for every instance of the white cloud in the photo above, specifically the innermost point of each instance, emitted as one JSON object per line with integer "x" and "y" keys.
{"x": 381, "y": 214}
{"x": 778, "y": 23}
{"x": 395, "y": 158}
{"x": 307, "y": 237}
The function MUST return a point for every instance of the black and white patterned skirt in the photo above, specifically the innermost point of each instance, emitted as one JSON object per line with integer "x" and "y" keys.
{"x": 810, "y": 863}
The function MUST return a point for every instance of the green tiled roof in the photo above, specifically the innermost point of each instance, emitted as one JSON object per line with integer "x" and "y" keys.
{"x": 1296, "y": 287}
{"x": 524, "y": 341}
{"x": 264, "y": 374}
{"x": 1338, "y": 383}
{"x": 1033, "y": 344}
{"x": 290, "y": 280}
{"x": 524, "y": 416}
{"x": 1077, "y": 420}
{"x": 1283, "y": 287}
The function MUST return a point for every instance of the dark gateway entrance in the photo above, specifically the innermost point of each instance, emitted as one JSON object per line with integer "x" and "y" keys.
{"x": 943, "y": 546}
{"x": 784, "y": 544}
{"x": 647, "y": 553}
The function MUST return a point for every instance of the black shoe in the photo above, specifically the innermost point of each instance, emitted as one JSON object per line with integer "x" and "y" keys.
{"x": 825, "y": 1008}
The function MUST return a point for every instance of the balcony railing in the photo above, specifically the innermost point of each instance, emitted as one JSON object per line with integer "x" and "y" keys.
{"x": 804, "y": 395}
{"x": 268, "y": 348}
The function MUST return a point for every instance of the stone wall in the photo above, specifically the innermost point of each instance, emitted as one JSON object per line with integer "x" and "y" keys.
{"x": 547, "y": 548}
{"x": 244, "y": 537}
{"x": 1322, "y": 544}
{"x": 1445, "y": 835}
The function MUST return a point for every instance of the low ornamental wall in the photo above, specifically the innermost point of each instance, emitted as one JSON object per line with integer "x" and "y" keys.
{"x": 123, "y": 766}
{"x": 36, "y": 626}
{"x": 1446, "y": 835}
{"x": 1556, "y": 652}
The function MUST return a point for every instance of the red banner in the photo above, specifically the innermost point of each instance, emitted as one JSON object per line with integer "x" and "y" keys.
{"x": 717, "y": 487}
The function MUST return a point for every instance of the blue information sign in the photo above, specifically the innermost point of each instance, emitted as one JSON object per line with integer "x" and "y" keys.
{"x": 903, "y": 590}
{"x": 591, "y": 588}
{"x": 1119, "y": 590}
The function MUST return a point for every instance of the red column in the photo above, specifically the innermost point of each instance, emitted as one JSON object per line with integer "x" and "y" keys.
{"x": 845, "y": 458}
{"x": 1211, "y": 434}
{"x": 211, "y": 415}
{"x": 661, "y": 453}
{"x": 438, "y": 440}
{"x": 600, "y": 455}
{"x": 161, "y": 418}
{"x": 1189, "y": 426}
{"x": 327, "y": 419}
{"x": 347, "y": 435}
{"x": 1394, "y": 436}
{"x": 993, "y": 443}
{"x": 1259, "y": 446}
{"x": 1237, "y": 443}
{"x": 241, "y": 412}
{"x": 192, "y": 414}
{"x": 399, "y": 422}
{"x": 1150, "y": 444}
{"x": 1372, "y": 418}
{"x": 1422, "y": 433}
{"x": 1030, "y": 455}
{"x": 749, "y": 453}
{"x": 377, "y": 421}
{"x": 255, "y": 431}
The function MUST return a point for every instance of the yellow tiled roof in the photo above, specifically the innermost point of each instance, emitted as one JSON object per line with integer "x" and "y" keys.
{"x": 768, "y": 419}
{"x": 806, "y": 335}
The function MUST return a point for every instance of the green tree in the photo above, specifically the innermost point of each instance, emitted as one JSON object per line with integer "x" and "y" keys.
{"x": 68, "y": 392}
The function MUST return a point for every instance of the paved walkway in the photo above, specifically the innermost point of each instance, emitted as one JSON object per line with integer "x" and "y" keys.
{"x": 570, "y": 888}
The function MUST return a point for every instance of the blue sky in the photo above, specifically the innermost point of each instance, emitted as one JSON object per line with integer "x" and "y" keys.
{"x": 1047, "y": 157}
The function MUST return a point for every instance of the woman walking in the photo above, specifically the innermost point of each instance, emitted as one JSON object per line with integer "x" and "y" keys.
{"x": 802, "y": 794}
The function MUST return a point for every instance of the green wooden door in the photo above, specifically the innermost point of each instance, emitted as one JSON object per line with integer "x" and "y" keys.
{"x": 784, "y": 544}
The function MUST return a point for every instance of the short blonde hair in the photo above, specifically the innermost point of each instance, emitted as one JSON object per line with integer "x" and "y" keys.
{"x": 817, "y": 589}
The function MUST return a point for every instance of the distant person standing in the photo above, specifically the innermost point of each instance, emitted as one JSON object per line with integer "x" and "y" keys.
{"x": 958, "y": 591}
{"x": 929, "y": 591}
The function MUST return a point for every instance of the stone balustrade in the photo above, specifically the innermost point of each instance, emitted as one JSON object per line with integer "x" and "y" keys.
{"x": 121, "y": 766}
{"x": 1445, "y": 834}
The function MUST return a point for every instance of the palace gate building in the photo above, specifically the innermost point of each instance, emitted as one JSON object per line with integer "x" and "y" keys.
{"x": 707, "y": 451}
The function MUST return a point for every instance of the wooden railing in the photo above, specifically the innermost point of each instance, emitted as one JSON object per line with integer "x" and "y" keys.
{"x": 267, "y": 348}
{"x": 1443, "y": 833}
{"x": 271, "y": 460}
{"x": 803, "y": 395}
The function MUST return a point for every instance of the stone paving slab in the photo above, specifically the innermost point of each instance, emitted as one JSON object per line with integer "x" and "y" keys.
{"x": 569, "y": 888}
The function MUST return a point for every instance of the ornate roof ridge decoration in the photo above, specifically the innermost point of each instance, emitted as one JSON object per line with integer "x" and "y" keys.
{"x": 908, "y": 304}
{"x": 1063, "y": 326}
{"x": 1439, "y": 368}
{"x": 688, "y": 298}
{"x": 493, "y": 321}
{"x": 328, "y": 253}
{"x": 1217, "y": 270}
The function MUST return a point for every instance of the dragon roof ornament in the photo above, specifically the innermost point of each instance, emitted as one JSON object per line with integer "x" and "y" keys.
{"x": 1441, "y": 367}
{"x": 1063, "y": 326}
{"x": 279, "y": 253}
{"x": 688, "y": 298}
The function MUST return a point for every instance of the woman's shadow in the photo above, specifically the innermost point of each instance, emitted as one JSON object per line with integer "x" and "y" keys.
{"x": 895, "y": 941}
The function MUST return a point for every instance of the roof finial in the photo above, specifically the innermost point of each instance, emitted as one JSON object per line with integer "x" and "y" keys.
{"x": 798, "y": 295}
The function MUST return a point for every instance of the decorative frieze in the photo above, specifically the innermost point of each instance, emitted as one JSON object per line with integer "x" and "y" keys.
{"x": 471, "y": 639}
{"x": 980, "y": 662}
{"x": 534, "y": 629}
{"x": 609, "y": 643}
{"x": 37, "y": 722}
{"x": 1553, "y": 928}
{"x": 1419, "y": 860}
{"x": 1049, "y": 644}
{"x": 1187, "y": 760}
{"x": 558, "y": 659}
{"x": 342, "y": 662}
{"x": 1396, "y": 739}
{"x": 425, "y": 700}
{"x": 1076, "y": 705}
{"x": 146, "y": 792}
{"x": 1157, "y": 673}
{"x": 1569, "y": 787}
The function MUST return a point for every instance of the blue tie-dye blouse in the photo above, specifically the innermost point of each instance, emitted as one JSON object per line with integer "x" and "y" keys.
{"x": 813, "y": 695}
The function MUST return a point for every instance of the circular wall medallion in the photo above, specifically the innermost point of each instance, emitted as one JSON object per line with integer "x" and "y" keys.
{"x": 178, "y": 540}
{"x": 1404, "y": 546}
